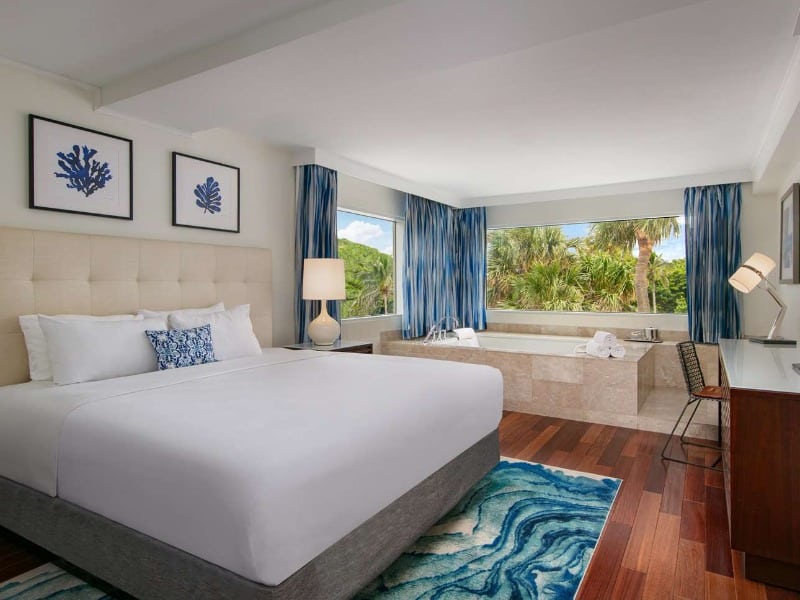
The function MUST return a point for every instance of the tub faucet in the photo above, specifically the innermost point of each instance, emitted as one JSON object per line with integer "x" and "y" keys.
{"x": 438, "y": 332}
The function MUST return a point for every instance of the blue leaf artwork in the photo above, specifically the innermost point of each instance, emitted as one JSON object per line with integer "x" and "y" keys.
{"x": 209, "y": 197}
{"x": 84, "y": 175}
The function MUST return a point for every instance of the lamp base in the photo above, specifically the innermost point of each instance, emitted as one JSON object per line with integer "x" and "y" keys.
{"x": 324, "y": 330}
{"x": 772, "y": 342}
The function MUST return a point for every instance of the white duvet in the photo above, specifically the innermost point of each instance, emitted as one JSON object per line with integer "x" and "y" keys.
{"x": 257, "y": 464}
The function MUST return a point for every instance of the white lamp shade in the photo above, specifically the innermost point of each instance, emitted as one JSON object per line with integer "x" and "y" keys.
{"x": 744, "y": 279}
{"x": 323, "y": 279}
{"x": 761, "y": 263}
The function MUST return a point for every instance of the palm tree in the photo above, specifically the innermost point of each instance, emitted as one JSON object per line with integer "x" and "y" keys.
{"x": 378, "y": 285}
{"x": 513, "y": 253}
{"x": 658, "y": 275}
{"x": 607, "y": 281}
{"x": 548, "y": 286}
{"x": 644, "y": 233}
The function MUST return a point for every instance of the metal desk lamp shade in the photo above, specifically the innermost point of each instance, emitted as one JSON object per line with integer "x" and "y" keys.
{"x": 748, "y": 277}
{"x": 323, "y": 279}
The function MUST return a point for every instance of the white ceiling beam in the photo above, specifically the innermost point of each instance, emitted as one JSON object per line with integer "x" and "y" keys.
{"x": 315, "y": 156}
{"x": 614, "y": 189}
{"x": 259, "y": 39}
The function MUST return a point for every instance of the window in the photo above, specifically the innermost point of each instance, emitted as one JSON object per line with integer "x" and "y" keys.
{"x": 367, "y": 246}
{"x": 615, "y": 266}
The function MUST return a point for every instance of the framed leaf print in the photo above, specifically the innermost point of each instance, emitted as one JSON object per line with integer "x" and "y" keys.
{"x": 78, "y": 170}
{"x": 205, "y": 194}
{"x": 790, "y": 236}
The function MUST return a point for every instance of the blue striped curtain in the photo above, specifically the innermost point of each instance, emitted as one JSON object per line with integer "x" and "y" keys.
{"x": 713, "y": 253}
{"x": 445, "y": 266}
{"x": 469, "y": 232}
{"x": 315, "y": 236}
{"x": 428, "y": 287}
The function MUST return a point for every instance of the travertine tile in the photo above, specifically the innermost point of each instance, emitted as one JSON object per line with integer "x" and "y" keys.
{"x": 708, "y": 355}
{"x": 610, "y": 385}
{"x": 553, "y": 394}
{"x": 557, "y": 368}
{"x": 667, "y": 366}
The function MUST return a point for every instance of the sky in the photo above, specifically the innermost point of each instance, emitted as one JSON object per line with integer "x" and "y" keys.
{"x": 377, "y": 233}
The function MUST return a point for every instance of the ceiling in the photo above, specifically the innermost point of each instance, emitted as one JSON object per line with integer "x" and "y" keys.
{"x": 483, "y": 101}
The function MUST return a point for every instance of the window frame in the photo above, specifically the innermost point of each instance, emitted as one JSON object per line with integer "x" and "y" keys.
{"x": 397, "y": 256}
{"x": 579, "y": 312}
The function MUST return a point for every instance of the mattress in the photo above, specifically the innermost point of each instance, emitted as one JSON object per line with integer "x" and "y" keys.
{"x": 258, "y": 464}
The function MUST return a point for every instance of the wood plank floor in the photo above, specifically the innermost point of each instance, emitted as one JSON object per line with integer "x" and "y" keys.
{"x": 667, "y": 536}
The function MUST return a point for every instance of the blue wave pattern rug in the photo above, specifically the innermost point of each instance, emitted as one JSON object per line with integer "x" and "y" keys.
{"x": 48, "y": 582}
{"x": 525, "y": 531}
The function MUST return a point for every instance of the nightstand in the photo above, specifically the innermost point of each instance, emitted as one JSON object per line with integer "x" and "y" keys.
{"x": 339, "y": 346}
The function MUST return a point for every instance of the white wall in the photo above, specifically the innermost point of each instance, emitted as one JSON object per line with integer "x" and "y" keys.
{"x": 760, "y": 233}
{"x": 267, "y": 180}
{"x": 582, "y": 210}
{"x": 370, "y": 198}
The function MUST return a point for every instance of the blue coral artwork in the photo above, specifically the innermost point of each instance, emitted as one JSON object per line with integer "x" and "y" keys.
{"x": 85, "y": 175}
{"x": 205, "y": 194}
{"x": 209, "y": 197}
{"x": 79, "y": 170}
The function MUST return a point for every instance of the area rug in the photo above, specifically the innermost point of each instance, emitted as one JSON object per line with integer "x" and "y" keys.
{"x": 525, "y": 531}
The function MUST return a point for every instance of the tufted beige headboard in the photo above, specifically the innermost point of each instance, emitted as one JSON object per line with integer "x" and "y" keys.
{"x": 65, "y": 273}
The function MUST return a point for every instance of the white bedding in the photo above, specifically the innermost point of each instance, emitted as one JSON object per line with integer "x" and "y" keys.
{"x": 256, "y": 464}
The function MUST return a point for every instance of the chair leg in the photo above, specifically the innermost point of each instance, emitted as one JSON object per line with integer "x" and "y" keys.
{"x": 713, "y": 466}
{"x": 674, "y": 427}
{"x": 700, "y": 444}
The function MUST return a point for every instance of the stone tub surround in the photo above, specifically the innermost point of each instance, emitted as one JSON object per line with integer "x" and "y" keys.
{"x": 579, "y": 387}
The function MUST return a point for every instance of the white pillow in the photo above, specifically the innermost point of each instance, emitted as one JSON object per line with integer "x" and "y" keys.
{"x": 82, "y": 350}
{"x": 150, "y": 314}
{"x": 38, "y": 360}
{"x": 231, "y": 331}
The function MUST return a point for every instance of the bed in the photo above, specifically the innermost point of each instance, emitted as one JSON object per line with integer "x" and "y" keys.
{"x": 292, "y": 474}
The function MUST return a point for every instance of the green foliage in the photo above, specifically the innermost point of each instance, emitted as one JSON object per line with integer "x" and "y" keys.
{"x": 369, "y": 280}
{"x": 671, "y": 291}
{"x": 538, "y": 268}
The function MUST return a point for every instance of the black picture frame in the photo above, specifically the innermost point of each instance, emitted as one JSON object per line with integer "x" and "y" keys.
{"x": 789, "y": 251}
{"x": 56, "y": 184}
{"x": 200, "y": 183}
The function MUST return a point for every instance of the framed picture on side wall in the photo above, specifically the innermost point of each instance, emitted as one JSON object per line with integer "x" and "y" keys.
{"x": 790, "y": 231}
{"x": 78, "y": 170}
{"x": 205, "y": 194}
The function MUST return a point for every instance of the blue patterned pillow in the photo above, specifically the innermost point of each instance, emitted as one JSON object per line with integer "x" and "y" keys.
{"x": 176, "y": 348}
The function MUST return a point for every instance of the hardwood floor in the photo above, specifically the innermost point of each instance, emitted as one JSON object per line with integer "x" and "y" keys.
{"x": 667, "y": 536}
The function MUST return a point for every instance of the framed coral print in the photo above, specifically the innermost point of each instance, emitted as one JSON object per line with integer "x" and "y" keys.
{"x": 78, "y": 170}
{"x": 205, "y": 194}
{"x": 790, "y": 230}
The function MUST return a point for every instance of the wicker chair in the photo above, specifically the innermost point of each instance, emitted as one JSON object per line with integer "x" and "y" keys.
{"x": 698, "y": 391}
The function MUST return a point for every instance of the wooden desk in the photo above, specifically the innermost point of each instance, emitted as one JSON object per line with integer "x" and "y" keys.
{"x": 761, "y": 458}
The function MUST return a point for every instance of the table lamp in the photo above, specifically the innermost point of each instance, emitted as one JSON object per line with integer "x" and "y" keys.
{"x": 323, "y": 279}
{"x": 746, "y": 278}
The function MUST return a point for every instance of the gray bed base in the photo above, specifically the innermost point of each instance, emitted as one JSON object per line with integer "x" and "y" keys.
{"x": 149, "y": 569}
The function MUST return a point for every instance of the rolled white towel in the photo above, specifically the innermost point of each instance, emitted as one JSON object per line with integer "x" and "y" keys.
{"x": 464, "y": 333}
{"x": 598, "y": 350}
{"x": 618, "y": 351}
{"x": 604, "y": 338}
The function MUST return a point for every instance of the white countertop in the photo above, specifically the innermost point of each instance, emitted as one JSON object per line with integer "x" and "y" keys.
{"x": 754, "y": 366}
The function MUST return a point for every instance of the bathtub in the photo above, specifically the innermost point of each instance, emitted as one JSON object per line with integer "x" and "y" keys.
{"x": 543, "y": 375}
{"x": 530, "y": 343}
